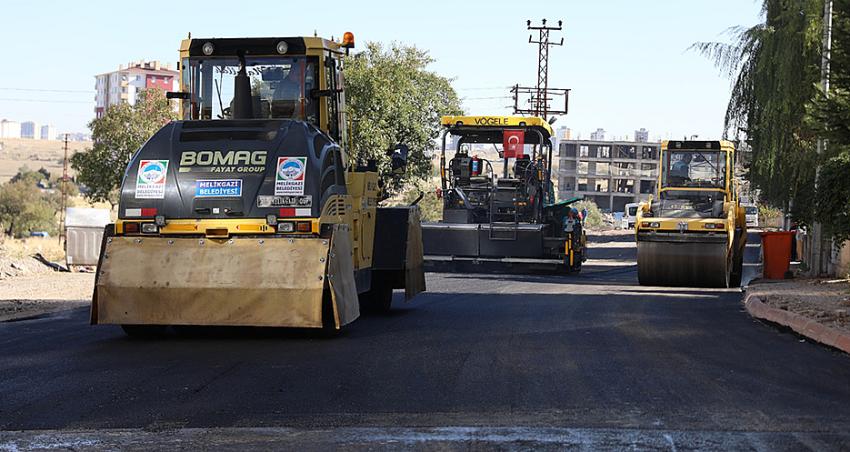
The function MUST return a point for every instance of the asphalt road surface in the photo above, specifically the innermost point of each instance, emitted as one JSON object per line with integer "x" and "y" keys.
{"x": 591, "y": 361}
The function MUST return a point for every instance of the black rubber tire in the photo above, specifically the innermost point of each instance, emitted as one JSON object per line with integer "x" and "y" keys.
{"x": 329, "y": 328}
{"x": 379, "y": 298}
{"x": 737, "y": 270}
{"x": 144, "y": 331}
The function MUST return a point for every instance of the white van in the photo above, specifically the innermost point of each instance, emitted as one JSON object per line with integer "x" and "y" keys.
{"x": 752, "y": 213}
{"x": 630, "y": 214}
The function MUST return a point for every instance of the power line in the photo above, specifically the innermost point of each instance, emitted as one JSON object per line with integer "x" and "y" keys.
{"x": 48, "y": 101}
{"x": 41, "y": 90}
{"x": 483, "y": 88}
{"x": 485, "y": 98}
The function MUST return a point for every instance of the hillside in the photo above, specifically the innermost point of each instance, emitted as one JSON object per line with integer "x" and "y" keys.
{"x": 35, "y": 154}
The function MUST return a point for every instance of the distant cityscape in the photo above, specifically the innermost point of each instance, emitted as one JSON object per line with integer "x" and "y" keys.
{"x": 34, "y": 131}
{"x": 111, "y": 88}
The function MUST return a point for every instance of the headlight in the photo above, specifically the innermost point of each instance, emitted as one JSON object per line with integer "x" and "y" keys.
{"x": 282, "y": 47}
{"x": 208, "y": 48}
{"x": 286, "y": 226}
{"x": 149, "y": 228}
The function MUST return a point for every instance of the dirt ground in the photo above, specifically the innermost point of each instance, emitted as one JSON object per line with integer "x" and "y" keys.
{"x": 825, "y": 301}
{"x": 29, "y": 288}
{"x": 32, "y": 295}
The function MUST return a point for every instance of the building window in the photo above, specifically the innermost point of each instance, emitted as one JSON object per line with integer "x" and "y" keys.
{"x": 602, "y": 185}
{"x": 626, "y": 152}
{"x": 582, "y": 152}
{"x": 625, "y": 169}
{"x": 649, "y": 152}
{"x": 603, "y": 168}
{"x": 647, "y": 187}
{"x": 582, "y": 184}
{"x": 583, "y": 168}
{"x": 625, "y": 186}
{"x": 604, "y": 152}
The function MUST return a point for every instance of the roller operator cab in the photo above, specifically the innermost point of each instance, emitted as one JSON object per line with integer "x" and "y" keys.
{"x": 246, "y": 212}
{"x": 694, "y": 232}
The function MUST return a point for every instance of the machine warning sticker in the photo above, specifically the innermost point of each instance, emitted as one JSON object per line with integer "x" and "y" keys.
{"x": 290, "y": 176}
{"x": 285, "y": 201}
{"x": 150, "y": 180}
{"x": 221, "y": 188}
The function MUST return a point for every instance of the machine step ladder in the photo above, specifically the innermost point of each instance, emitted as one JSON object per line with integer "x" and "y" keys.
{"x": 504, "y": 225}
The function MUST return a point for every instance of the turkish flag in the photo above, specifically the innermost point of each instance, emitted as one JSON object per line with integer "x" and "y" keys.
{"x": 512, "y": 143}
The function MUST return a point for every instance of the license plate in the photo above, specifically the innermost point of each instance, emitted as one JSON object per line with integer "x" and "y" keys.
{"x": 285, "y": 201}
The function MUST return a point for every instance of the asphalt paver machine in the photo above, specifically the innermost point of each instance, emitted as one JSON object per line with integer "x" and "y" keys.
{"x": 501, "y": 214}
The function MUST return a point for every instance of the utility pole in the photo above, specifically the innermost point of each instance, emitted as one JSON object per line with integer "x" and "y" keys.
{"x": 819, "y": 252}
{"x": 538, "y": 98}
{"x": 64, "y": 192}
{"x": 543, "y": 44}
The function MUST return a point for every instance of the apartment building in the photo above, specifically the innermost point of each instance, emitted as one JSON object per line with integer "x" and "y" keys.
{"x": 126, "y": 83}
{"x": 610, "y": 173}
{"x": 31, "y": 130}
{"x": 10, "y": 129}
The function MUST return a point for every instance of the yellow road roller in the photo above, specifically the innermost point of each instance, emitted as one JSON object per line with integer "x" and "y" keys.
{"x": 247, "y": 211}
{"x": 694, "y": 232}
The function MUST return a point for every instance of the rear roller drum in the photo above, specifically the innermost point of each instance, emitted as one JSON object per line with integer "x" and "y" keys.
{"x": 683, "y": 264}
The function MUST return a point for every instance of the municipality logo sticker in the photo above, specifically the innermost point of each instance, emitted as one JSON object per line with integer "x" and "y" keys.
{"x": 150, "y": 179}
{"x": 291, "y": 168}
{"x": 152, "y": 171}
{"x": 290, "y": 175}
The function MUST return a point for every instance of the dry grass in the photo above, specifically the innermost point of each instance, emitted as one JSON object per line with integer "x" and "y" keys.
{"x": 34, "y": 154}
{"x": 49, "y": 247}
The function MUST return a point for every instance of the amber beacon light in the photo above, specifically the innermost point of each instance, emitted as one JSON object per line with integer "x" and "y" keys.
{"x": 348, "y": 39}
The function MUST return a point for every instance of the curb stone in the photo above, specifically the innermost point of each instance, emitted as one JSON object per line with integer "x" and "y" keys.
{"x": 802, "y": 325}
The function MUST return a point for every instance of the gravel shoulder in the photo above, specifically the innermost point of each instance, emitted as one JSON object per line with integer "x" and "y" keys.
{"x": 34, "y": 295}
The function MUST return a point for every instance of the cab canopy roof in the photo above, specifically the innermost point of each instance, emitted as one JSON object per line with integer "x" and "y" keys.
{"x": 271, "y": 46}
{"x": 488, "y": 129}
{"x": 688, "y": 145}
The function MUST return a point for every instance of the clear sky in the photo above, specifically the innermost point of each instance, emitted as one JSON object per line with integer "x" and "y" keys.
{"x": 625, "y": 60}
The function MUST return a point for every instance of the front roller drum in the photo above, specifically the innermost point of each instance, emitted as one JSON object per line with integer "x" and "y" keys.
{"x": 146, "y": 282}
{"x": 683, "y": 264}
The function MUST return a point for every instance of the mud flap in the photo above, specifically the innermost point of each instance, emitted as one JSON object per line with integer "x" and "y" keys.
{"x": 196, "y": 281}
{"x": 414, "y": 271}
{"x": 341, "y": 277}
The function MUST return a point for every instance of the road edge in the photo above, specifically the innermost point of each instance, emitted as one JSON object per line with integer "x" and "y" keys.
{"x": 802, "y": 325}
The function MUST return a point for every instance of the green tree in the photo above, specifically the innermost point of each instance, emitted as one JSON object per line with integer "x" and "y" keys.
{"x": 775, "y": 68}
{"x": 393, "y": 98}
{"x": 829, "y": 117}
{"x": 594, "y": 216}
{"x": 24, "y": 207}
{"x": 430, "y": 205}
{"x": 117, "y": 135}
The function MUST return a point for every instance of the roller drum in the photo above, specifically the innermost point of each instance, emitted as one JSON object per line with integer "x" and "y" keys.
{"x": 683, "y": 264}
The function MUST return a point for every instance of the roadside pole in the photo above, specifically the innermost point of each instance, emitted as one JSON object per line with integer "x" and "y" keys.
{"x": 64, "y": 192}
{"x": 820, "y": 254}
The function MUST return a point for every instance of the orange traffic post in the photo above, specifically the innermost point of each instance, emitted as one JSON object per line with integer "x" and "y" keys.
{"x": 776, "y": 247}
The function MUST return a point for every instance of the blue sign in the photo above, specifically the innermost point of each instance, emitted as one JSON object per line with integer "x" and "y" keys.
{"x": 222, "y": 188}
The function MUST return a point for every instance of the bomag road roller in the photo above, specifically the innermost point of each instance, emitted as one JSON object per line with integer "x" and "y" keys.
{"x": 247, "y": 212}
{"x": 500, "y": 215}
{"x": 694, "y": 233}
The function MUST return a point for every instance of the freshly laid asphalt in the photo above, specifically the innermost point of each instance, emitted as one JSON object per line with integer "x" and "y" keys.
{"x": 591, "y": 360}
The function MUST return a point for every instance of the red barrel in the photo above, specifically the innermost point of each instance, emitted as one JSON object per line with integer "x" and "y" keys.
{"x": 776, "y": 247}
